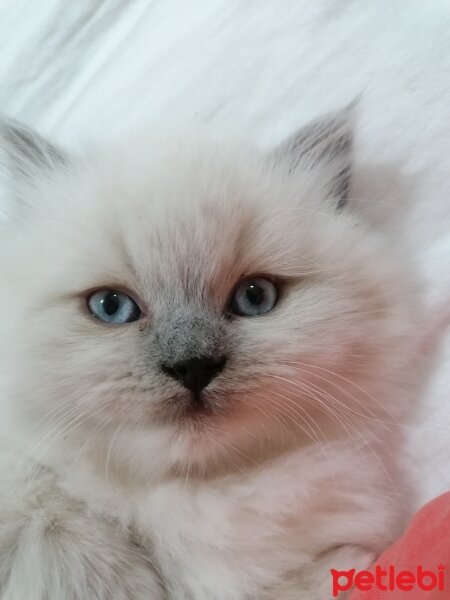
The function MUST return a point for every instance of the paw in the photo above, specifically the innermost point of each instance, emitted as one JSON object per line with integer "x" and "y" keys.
{"x": 323, "y": 583}
{"x": 64, "y": 553}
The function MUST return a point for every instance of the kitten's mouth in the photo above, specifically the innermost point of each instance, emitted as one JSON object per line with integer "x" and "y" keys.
{"x": 199, "y": 405}
{"x": 191, "y": 407}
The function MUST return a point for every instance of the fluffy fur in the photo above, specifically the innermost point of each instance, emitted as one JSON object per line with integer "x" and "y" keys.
{"x": 111, "y": 486}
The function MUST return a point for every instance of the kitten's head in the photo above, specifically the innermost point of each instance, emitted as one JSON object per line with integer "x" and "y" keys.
{"x": 177, "y": 302}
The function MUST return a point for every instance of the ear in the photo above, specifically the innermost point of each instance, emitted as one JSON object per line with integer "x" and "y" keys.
{"x": 324, "y": 146}
{"x": 24, "y": 156}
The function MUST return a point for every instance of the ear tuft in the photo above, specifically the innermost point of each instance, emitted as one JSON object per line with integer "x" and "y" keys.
{"x": 24, "y": 156}
{"x": 325, "y": 146}
{"x": 24, "y": 150}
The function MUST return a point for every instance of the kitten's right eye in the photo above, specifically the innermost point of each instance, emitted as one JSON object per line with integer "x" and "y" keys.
{"x": 113, "y": 307}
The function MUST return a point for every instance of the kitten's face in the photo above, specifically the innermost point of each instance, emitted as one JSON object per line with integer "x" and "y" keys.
{"x": 252, "y": 292}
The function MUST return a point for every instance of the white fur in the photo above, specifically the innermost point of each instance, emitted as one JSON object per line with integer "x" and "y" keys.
{"x": 293, "y": 475}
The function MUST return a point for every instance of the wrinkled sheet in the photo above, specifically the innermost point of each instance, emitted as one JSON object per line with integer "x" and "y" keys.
{"x": 77, "y": 69}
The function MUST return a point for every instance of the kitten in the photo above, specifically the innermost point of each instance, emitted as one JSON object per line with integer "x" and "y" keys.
{"x": 202, "y": 348}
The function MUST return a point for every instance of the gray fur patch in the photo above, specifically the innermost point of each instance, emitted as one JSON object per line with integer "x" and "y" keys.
{"x": 186, "y": 332}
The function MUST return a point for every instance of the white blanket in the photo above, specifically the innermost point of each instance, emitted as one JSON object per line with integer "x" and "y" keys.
{"x": 96, "y": 65}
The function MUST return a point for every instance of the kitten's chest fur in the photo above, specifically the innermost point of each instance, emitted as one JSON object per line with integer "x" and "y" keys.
{"x": 243, "y": 536}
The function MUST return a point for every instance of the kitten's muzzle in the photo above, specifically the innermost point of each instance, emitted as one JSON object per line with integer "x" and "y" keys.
{"x": 195, "y": 373}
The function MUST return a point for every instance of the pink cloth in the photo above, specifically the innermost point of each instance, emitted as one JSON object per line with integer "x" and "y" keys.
{"x": 424, "y": 547}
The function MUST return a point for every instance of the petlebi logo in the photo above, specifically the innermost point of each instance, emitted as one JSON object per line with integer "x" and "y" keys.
{"x": 388, "y": 579}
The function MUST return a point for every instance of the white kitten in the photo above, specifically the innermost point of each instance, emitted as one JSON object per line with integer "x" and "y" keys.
{"x": 201, "y": 351}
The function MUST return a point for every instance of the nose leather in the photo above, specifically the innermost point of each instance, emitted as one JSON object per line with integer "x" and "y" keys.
{"x": 195, "y": 373}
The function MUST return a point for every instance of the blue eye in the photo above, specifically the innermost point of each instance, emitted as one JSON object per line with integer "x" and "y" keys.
{"x": 113, "y": 307}
{"x": 254, "y": 297}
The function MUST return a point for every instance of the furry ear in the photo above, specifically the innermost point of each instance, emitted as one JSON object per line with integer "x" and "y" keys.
{"x": 24, "y": 155}
{"x": 325, "y": 146}
{"x": 24, "y": 151}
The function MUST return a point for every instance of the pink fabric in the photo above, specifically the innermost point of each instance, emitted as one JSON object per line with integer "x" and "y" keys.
{"x": 426, "y": 542}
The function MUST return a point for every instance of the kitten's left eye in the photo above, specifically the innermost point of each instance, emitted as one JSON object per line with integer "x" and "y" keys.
{"x": 254, "y": 297}
{"x": 113, "y": 307}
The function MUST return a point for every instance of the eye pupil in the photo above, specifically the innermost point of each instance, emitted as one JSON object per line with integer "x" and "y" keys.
{"x": 111, "y": 304}
{"x": 255, "y": 294}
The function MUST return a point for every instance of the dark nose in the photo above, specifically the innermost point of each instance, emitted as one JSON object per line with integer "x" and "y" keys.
{"x": 195, "y": 373}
